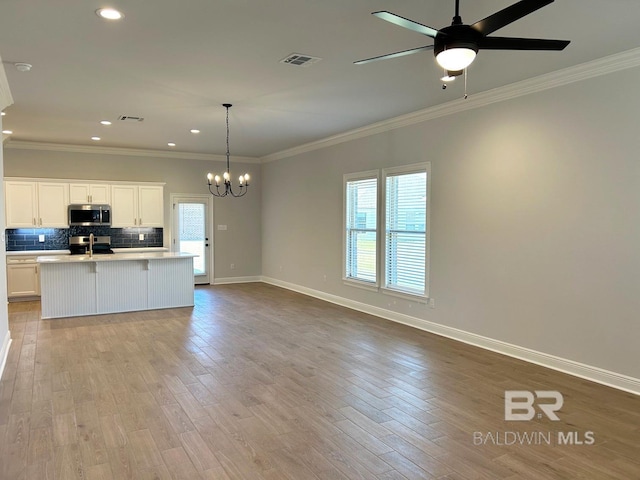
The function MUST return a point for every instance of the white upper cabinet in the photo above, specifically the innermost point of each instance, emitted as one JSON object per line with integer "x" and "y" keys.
{"x": 150, "y": 206}
{"x": 30, "y": 203}
{"x": 21, "y": 204}
{"x": 96, "y": 193}
{"x": 36, "y": 204}
{"x": 53, "y": 203}
{"x": 137, "y": 206}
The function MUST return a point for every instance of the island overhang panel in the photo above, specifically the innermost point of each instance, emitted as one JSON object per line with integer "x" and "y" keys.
{"x": 81, "y": 285}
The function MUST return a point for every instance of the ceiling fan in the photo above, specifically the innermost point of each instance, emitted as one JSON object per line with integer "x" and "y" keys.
{"x": 456, "y": 46}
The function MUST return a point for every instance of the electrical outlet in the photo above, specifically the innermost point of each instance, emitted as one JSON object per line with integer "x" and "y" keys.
{"x": 233, "y": 266}
{"x": 432, "y": 303}
{"x": 41, "y": 238}
{"x": 141, "y": 236}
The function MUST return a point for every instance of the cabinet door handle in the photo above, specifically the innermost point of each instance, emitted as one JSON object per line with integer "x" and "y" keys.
{"x": 140, "y": 222}
{"x": 41, "y": 221}
{"x": 135, "y": 221}
{"x": 34, "y": 221}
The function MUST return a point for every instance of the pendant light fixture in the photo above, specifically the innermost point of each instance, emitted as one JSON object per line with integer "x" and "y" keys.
{"x": 243, "y": 180}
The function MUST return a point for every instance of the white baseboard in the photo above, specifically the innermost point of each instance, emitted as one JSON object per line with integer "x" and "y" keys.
{"x": 229, "y": 280}
{"x": 4, "y": 352}
{"x": 588, "y": 372}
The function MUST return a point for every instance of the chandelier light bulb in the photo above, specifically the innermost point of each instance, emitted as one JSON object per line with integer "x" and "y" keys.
{"x": 227, "y": 188}
{"x": 209, "y": 177}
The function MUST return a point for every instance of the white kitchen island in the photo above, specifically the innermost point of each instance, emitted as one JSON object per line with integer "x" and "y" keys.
{"x": 75, "y": 285}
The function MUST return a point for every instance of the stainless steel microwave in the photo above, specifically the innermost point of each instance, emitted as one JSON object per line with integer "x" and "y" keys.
{"x": 90, "y": 215}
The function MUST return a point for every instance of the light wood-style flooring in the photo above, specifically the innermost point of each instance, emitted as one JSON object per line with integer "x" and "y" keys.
{"x": 261, "y": 383}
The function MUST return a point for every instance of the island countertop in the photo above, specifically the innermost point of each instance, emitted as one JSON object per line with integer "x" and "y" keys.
{"x": 77, "y": 285}
{"x": 113, "y": 257}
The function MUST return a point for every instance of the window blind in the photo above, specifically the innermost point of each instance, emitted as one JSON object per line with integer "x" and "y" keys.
{"x": 405, "y": 232}
{"x": 361, "y": 226}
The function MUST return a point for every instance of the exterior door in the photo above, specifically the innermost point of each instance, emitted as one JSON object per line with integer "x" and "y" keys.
{"x": 192, "y": 233}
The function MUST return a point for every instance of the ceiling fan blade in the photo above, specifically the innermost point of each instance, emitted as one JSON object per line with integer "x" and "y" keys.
{"x": 508, "y": 15}
{"x": 406, "y": 23}
{"x": 512, "y": 43}
{"x": 394, "y": 55}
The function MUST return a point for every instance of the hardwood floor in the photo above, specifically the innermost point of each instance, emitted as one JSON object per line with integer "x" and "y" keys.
{"x": 257, "y": 382}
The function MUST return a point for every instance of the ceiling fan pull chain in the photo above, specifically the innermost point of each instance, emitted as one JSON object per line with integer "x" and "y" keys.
{"x": 465, "y": 84}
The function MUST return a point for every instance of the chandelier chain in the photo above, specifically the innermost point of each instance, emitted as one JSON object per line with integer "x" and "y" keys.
{"x": 243, "y": 180}
{"x": 228, "y": 153}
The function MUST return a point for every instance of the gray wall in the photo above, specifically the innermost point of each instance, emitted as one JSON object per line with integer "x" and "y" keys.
{"x": 535, "y": 217}
{"x": 4, "y": 313}
{"x": 239, "y": 244}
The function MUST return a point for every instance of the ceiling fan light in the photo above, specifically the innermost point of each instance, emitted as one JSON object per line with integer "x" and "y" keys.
{"x": 457, "y": 58}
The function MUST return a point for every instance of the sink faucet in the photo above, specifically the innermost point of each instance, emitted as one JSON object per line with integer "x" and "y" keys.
{"x": 91, "y": 245}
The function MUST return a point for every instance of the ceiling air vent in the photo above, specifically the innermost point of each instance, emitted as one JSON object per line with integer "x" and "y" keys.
{"x": 300, "y": 60}
{"x": 130, "y": 118}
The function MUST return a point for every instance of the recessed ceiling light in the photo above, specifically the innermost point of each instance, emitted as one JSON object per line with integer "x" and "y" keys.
{"x": 23, "y": 67}
{"x": 95, "y": 139}
{"x": 7, "y": 132}
{"x": 194, "y": 130}
{"x": 171, "y": 144}
{"x": 109, "y": 13}
{"x": 105, "y": 122}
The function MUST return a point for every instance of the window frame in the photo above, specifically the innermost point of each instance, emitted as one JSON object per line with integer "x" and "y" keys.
{"x": 382, "y": 228}
{"x": 381, "y": 209}
{"x": 352, "y": 177}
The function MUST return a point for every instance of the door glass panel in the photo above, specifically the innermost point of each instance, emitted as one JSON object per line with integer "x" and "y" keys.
{"x": 192, "y": 233}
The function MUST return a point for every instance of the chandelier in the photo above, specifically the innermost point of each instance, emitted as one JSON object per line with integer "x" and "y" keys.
{"x": 226, "y": 176}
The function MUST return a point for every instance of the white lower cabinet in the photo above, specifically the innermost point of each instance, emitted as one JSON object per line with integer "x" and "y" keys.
{"x": 23, "y": 277}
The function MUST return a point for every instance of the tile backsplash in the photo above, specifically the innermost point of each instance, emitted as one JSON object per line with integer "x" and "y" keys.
{"x": 24, "y": 239}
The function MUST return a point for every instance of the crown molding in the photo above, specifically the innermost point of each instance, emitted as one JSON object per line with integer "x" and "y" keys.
{"x": 131, "y": 152}
{"x": 577, "y": 73}
{"x": 5, "y": 93}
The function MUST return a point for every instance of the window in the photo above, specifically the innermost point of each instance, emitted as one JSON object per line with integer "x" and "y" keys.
{"x": 361, "y": 228}
{"x": 388, "y": 246}
{"x": 405, "y": 234}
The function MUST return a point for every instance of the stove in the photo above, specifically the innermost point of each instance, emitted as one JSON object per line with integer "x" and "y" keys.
{"x": 80, "y": 245}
